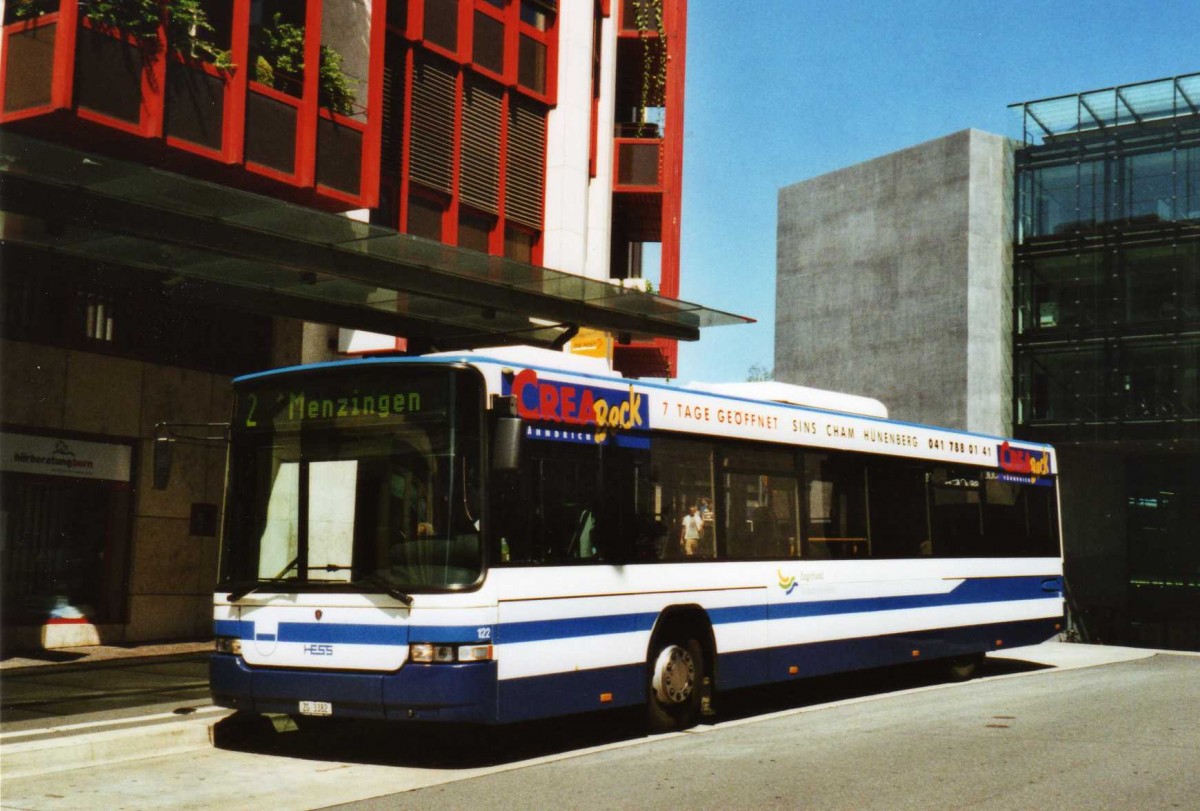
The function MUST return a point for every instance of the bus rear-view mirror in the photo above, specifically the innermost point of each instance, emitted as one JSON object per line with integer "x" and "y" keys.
{"x": 506, "y": 444}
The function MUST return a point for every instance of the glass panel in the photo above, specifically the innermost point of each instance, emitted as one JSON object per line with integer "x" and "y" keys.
{"x": 1149, "y": 276}
{"x": 1150, "y": 383}
{"x": 195, "y": 105}
{"x": 637, "y": 164}
{"x": 202, "y": 31}
{"x": 489, "y": 42}
{"x": 1064, "y": 386}
{"x": 535, "y": 14}
{"x": 441, "y": 23}
{"x": 1062, "y": 291}
{"x": 1065, "y": 199}
{"x": 270, "y": 133}
{"x": 364, "y": 477}
{"x": 397, "y": 14}
{"x": 531, "y": 67}
{"x": 474, "y": 230}
{"x": 108, "y": 76}
{"x": 345, "y": 37}
{"x": 1187, "y": 184}
{"x": 29, "y": 67}
{"x": 899, "y": 518}
{"x": 835, "y": 507}
{"x": 1149, "y": 186}
{"x": 277, "y": 44}
{"x": 1189, "y": 281}
{"x": 425, "y": 217}
{"x": 339, "y": 156}
{"x": 518, "y": 244}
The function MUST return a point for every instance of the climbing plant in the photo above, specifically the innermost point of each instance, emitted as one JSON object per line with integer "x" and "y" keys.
{"x": 648, "y": 17}
{"x": 280, "y": 47}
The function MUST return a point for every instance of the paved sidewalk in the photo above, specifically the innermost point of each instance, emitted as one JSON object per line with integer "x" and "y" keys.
{"x": 76, "y": 707}
{"x": 95, "y": 654}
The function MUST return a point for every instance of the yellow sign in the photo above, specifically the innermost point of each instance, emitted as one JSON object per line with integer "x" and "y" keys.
{"x": 592, "y": 343}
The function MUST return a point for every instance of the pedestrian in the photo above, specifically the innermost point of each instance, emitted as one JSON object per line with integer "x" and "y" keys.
{"x": 690, "y": 531}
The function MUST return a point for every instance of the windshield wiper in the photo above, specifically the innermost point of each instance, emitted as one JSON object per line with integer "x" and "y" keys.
{"x": 234, "y": 596}
{"x": 385, "y": 587}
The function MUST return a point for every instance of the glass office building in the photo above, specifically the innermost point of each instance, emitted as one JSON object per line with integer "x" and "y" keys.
{"x": 1107, "y": 344}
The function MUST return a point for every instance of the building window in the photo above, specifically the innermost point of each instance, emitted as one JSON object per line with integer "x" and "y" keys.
{"x": 475, "y": 230}
{"x": 441, "y": 23}
{"x": 1149, "y": 187}
{"x": 531, "y": 69}
{"x": 1187, "y": 184}
{"x": 1061, "y": 200}
{"x": 535, "y": 14}
{"x": 1062, "y": 291}
{"x": 273, "y": 26}
{"x": 519, "y": 243}
{"x": 488, "y": 42}
{"x": 99, "y": 311}
{"x": 1062, "y": 387}
{"x": 1149, "y": 275}
{"x": 426, "y": 216}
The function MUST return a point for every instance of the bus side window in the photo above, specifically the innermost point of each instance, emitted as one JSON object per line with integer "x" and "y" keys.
{"x": 835, "y": 506}
{"x": 683, "y": 478}
{"x": 956, "y": 518}
{"x": 899, "y": 516}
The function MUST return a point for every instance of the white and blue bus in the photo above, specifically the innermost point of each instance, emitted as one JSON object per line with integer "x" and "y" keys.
{"x": 506, "y": 535}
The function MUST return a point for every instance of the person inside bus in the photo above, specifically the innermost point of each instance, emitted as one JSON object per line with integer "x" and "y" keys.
{"x": 691, "y": 531}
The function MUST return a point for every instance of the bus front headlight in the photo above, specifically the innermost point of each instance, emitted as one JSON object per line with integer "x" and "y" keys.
{"x": 229, "y": 644}
{"x": 430, "y": 653}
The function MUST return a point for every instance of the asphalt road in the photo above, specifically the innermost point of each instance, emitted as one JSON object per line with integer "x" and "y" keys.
{"x": 1120, "y": 735}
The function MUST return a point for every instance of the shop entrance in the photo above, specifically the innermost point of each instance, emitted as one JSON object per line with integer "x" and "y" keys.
{"x": 65, "y": 543}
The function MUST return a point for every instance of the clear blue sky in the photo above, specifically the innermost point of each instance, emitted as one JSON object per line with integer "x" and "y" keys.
{"x": 779, "y": 91}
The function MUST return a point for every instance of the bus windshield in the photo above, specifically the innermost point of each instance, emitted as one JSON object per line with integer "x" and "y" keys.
{"x": 355, "y": 479}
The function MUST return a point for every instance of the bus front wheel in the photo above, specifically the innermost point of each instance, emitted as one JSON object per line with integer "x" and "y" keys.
{"x": 676, "y": 676}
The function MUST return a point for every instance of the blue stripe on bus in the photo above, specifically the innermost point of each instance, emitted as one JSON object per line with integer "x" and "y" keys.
{"x": 983, "y": 590}
{"x": 971, "y": 591}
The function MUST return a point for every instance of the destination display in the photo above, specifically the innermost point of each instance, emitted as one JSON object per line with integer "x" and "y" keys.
{"x": 343, "y": 401}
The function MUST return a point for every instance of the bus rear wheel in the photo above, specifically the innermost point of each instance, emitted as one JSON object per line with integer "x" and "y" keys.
{"x": 676, "y": 678}
{"x": 962, "y": 668}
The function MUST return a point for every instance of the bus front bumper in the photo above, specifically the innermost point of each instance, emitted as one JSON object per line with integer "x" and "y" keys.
{"x": 460, "y": 693}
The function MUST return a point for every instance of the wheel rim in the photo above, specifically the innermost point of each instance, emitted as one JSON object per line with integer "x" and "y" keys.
{"x": 674, "y": 675}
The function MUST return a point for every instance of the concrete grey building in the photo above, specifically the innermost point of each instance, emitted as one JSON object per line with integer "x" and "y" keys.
{"x": 894, "y": 281}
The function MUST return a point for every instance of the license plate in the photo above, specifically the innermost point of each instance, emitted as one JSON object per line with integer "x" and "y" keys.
{"x": 316, "y": 708}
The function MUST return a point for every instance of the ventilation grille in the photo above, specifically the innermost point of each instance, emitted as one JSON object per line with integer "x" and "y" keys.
{"x": 526, "y": 162}
{"x": 479, "y": 180}
{"x": 392, "y": 141}
{"x": 433, "y": 124}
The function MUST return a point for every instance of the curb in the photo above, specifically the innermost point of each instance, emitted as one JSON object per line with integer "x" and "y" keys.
{"x": 59, "y": 751}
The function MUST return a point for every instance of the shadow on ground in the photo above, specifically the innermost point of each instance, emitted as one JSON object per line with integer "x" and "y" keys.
{"x": 435, "y": 746}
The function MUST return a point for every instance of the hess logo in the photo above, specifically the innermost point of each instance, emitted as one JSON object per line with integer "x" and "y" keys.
{"x": 319, "y": 650}
{"x": 1019, "y": 460}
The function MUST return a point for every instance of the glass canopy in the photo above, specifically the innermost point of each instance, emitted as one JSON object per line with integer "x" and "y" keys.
{"x": 263, "y": 254}
{"x": 1100, "y": 110}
